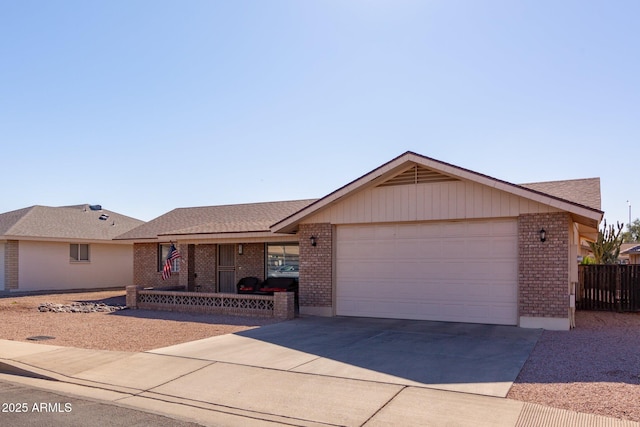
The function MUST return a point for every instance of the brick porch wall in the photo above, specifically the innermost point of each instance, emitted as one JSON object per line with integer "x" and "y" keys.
{"x": 543, "y": 267}
{"x": 316, "y": 274}
{"x": 251, "y": 262}
{"x": 145, "y": 267}
{"x": 205, "y": 267}
{"x": 11, "y": 263}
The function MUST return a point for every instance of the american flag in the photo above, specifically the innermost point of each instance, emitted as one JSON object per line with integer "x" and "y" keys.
{"x": 173, "y": 254}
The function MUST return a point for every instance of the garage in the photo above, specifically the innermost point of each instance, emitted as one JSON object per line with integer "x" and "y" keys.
{"x": 462, "y": 271}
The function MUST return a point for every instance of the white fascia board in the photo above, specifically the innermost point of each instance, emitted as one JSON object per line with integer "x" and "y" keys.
{"x": 251, "y": 237}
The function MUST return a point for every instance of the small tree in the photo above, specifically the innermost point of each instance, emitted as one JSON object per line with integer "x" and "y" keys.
{"x": 607, "y": 247}
{"x": 632, "y": 235}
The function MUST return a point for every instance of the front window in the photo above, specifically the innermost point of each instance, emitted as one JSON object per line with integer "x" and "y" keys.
{"x": 78, "y": 252}
{"x": 163, "y": 253}
{"x": 283, "y": 260}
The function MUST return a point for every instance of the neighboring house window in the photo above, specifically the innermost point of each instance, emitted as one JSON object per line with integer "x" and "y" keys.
{"x": 283, "y": 260}
{"x": 78, "y": 252}
{"x": 163, "y": 253}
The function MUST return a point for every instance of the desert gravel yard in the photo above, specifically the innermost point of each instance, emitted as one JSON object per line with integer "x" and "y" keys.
{"x": 594, "y": 368}
{"x": 122, "y": 330}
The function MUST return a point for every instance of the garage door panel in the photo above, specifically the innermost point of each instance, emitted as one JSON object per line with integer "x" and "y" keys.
{"x": 461, "y": 271}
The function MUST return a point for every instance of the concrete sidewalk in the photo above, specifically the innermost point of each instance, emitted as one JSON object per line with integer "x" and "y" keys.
{"x": 222, "y": 393}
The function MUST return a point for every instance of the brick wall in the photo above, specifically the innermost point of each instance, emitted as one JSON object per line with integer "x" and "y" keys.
{"x": 316, "y": 272}
{"x": 251, "y": 262}
{"x": 186, "y": 277}
{"x": 11, "y": 260}
{"x": 543, "y": 267}
{"x": 145, "y": 267}
{"x": 205, "y": 267}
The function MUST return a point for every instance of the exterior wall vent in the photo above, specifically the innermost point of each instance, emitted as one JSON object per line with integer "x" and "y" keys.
{"x": 417, "y": 175}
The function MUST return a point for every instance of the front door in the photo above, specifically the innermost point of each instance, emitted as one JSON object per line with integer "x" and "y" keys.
{"x": 226, "y": 269}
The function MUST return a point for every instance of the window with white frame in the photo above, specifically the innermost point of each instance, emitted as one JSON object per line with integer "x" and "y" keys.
{"x": 163, "y": 253}
{"x": 79, "y": 252}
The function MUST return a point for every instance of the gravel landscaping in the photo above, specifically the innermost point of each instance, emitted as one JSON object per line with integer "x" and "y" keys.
{"x": 64, "y": 317}
{"x": 594, "y": 368}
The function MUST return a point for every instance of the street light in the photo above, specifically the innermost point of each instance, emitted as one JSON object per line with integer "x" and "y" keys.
{"x": 629, "y": 214}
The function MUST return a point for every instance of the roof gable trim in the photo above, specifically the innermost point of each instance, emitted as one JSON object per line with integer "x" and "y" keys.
{"x": 398, "y": 165}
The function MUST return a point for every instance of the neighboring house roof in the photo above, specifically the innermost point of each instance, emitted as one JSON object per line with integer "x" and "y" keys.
{"x": 634, "y": 249}
{"x": 243, "y": 218}
{"x": 582, "y": 191}
{"x": 81, "y": 222}
{"x": 426, "y": 169}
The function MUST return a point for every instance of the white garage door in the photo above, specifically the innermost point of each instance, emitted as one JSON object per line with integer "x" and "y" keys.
{"x": 447, "y": 271}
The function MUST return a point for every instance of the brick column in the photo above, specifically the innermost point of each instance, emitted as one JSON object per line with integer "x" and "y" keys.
{"x": 283, "y": 305}
{"x": 205, "y": 267}
{"x": 316, "y": 269}
{"x": 11, "y": 265}
{"x": 543, "y": 270}
{"x": 132, "y": 296}
{"x": 145, "y": 264}
{"x": 183, "y": 275}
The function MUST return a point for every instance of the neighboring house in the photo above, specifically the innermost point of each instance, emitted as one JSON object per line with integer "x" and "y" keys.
{"x": 632, "y": 252}
{"x": 70, "y": 247}
{"x": 415, "y": 238}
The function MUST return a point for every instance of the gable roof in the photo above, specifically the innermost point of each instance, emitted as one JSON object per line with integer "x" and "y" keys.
{"x": 632, "y": 250}
{"x": 81, "y": 222}
{"x": 582, "y": 191}
{"x": 243, "y": 218}
{"x": 415, "y": 168}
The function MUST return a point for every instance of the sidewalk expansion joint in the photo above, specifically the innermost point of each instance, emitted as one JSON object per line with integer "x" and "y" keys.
{"x": 384, "y": 406}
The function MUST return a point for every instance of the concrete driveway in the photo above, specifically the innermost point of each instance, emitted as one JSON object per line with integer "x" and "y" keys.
{"x": 479, "y": 359}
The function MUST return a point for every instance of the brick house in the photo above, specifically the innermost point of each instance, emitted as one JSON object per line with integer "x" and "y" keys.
{"x": 415, "y": 238}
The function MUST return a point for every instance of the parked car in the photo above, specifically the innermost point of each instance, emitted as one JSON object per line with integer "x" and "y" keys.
{"x": 286, "y": 271}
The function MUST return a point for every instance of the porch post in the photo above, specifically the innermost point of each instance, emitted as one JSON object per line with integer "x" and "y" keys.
{"x": 132, "y": 296}
{"x": 283, "y": 305}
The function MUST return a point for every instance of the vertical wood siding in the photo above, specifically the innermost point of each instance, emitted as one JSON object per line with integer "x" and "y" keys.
{"x": 426, "y": 202}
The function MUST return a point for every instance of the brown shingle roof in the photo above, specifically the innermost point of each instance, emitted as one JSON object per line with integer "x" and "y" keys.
{"x": 69, "y": 222}
{"x": 585, "y": 192}
{"x": 252, "y": 217}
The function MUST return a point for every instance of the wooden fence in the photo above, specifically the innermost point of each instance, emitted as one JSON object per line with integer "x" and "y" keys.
{"x": 609, "y": 287}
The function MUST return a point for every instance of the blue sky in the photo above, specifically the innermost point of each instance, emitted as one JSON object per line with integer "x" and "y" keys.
{"x": 144, "y": 106}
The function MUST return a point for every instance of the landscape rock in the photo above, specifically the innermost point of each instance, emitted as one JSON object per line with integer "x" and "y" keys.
{"x": 79, "y": 307}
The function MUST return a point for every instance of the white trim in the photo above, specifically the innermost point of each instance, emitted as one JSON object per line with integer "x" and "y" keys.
{"x": 549, "y": 323}
{"x": 248, "y": 237}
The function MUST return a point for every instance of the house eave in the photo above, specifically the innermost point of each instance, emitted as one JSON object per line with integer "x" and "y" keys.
{"x": 229, "y": 237}
{"x": 64, "y": 240}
